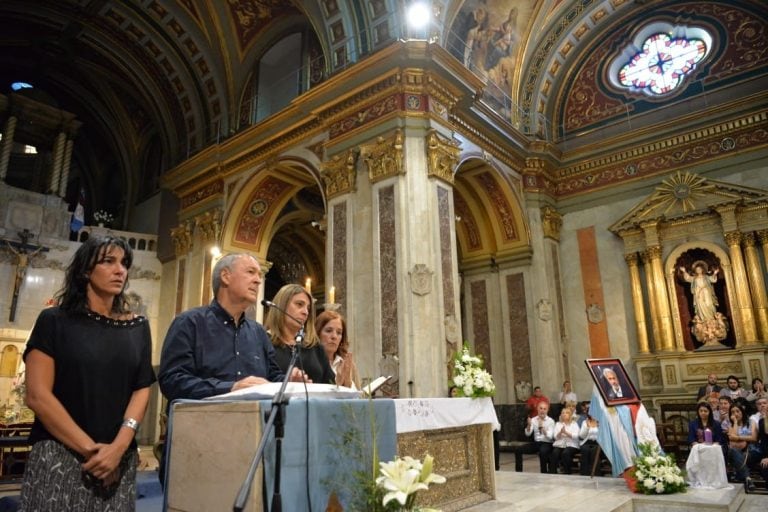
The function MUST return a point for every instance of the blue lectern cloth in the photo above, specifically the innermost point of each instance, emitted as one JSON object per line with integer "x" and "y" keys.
{"x": 334, "y": 453}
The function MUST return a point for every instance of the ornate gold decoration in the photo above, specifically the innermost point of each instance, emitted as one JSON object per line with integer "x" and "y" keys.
{"x": 631, "y": 259}
{"x": 729, "y": 367}
{"x": 762, "y": 236}
{"x": 442, "y": 156}
{"x": 733, "y": 238}
{"x": 385, "y": 157}
{"x": 182, "y": 238}
{"x": 551, "y": 222}
{"x": 682, "y": 190}
{"x": 209, "y": 225}
{"x": 339, "y": 174}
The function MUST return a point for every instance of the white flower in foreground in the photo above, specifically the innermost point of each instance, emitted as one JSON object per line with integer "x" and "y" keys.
{"x": 401, "y": 479}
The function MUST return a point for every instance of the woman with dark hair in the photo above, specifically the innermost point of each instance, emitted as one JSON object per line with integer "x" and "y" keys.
{"x": 332, "y": 331}
{"x": 89, "y": 369}
{"x": 740, "y": 435}
{"x": 295, "y": 309}
{"x": 704, "y": 421}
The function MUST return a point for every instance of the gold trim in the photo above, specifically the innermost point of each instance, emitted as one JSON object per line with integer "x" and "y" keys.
{"x": 339, "y": 174}
{"x": 385, "y": 157}
{"x": 442, "y": 156}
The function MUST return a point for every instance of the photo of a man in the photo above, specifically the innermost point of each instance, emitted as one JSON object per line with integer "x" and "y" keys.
{"x": 612, "y": 381}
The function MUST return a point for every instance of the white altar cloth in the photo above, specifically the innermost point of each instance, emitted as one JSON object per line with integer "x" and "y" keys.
{"x": 413, "y": 414}
{"x": 706, "y": 467}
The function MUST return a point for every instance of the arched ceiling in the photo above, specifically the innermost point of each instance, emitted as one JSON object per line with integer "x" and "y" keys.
{"x": 154, "y": 81}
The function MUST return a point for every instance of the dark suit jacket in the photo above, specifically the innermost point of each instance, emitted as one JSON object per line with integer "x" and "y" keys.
{"x": 703, "y": 391}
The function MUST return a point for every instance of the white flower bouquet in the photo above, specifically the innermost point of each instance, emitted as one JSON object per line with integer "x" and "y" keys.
{"x": 103, "y": 217}
{"x": 469, "y": 376}
{"x": 657, "y": 473}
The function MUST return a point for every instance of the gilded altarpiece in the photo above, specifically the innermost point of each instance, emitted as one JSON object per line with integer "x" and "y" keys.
{"x": 695, "y": 251}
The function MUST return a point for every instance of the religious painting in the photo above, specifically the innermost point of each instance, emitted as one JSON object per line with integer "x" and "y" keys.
{"x": 611, "y": 378}
{"x": 486, "y": 36}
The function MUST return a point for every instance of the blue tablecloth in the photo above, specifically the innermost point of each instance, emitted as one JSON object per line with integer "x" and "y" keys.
{"x": 339, "y": 437}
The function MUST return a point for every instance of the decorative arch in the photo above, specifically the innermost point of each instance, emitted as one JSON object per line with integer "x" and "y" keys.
{"x": 9, "y": 361}
{"x": 492, "y": 219}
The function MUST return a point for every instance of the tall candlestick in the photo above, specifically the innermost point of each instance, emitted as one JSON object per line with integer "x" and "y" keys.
{"x": 308, "y": 285}
{"x": 332, "y": 295}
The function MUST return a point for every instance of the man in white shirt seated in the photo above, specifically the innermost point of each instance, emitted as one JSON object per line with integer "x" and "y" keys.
{"x": 762, "y": 409}
{"x": 734, "y": 390}
{"x": 542, "y": 427}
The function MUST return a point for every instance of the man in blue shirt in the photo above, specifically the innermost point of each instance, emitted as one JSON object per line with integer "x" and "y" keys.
{"x": 215, "y": 349}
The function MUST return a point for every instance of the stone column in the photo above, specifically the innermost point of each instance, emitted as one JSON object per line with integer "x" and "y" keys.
{"x": 756, "y": 285}
{"x": 741, "y": 284}
{"x": 637, "y": 303}
{"x": 58, "y": 158}
{"x": 661, "y": 299}
{"x": 651, "y": 285}
{"x": 7, "y": 146}
{"x": 66, "y": 164}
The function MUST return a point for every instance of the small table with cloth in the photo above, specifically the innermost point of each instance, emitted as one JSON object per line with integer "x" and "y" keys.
{"x": 706, "y": 467}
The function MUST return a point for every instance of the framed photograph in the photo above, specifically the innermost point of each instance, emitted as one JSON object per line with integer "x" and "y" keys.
{"x": 612, "y": 380}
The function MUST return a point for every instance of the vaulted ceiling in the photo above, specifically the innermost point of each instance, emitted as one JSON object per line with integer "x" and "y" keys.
{"x": 154, "y": 81}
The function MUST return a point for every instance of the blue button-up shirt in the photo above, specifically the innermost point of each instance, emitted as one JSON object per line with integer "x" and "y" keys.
{"x": 206, "y": 351}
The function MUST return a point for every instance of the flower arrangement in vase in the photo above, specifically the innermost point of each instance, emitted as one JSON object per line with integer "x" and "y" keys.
{"x": 103, "y": 217}
{"x": 469, "y": 377}
{"x": 655, "y": 473}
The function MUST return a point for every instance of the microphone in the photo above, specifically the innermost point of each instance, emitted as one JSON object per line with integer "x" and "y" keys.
{"x": 299, "y": 335}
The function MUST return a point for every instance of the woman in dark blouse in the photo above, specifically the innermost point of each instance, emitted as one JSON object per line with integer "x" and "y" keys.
{"x": 298, "y": 309}
{"x": 89, "y": 369}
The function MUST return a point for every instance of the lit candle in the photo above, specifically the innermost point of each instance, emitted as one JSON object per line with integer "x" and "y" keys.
{"x": 332, "y": 295}
{"x": 308, "y": 285}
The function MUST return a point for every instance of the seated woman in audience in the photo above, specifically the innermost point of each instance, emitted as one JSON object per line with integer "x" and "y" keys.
{"x": 704, "y": 421}
{"x": 758, "y": 392}
{"x": 589, "y": 446}
{"x": 566, "y": 442}
{"x": 298, "y": 309}
{"x": 740, "y": 435}
{"x": 542, "y": 427}
{"x": 332, "y": 331}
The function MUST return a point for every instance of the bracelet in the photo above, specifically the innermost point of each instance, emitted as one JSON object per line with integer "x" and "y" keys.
{"x": 131, "y": 423}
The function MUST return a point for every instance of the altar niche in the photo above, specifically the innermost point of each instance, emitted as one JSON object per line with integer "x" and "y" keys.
{"x": 702, "y": 298}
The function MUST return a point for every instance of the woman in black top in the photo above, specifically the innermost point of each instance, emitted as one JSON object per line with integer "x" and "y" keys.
{"x": 89, "y": 369}
{"x": 298, "y": 308}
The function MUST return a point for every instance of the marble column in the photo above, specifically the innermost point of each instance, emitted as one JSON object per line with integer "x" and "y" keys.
{"x": 7, "y": 146}
{"x": 637, "y": 303}
{"x": 58, "y": 157}
{"x": 66, "y": 164}
{"x": 741, "y": 284}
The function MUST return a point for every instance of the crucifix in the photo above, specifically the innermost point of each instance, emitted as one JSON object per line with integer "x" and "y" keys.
{"x": 23, "y": 257}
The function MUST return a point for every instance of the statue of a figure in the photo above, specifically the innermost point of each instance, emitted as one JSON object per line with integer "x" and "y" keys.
{"x": 709, "y": 326}
{"x": 704, "y": 298}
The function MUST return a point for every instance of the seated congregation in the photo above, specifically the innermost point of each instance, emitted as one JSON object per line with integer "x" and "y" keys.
{"x": 731, "y": 418}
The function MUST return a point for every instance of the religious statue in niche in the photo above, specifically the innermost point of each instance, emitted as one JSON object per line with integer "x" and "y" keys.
{"x": 708, "y": 325}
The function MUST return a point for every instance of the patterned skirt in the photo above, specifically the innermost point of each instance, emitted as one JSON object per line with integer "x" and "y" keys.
{"x": 55, "y": 482}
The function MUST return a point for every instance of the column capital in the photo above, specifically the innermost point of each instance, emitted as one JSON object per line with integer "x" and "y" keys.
{"x": 385, "y": 157}
{"x": 748, "y": 239}
{"x": 551, "y": 222}
{"x": 631, "y": 259}
{"x": 762, "y": 235}
{"x": 208, "y": 225}
{"x": 442, "y": 156}
{"x": 182, "y": 238}
{"x": 733, "y": 238}
{"x": 654, "y": 252}
{"x": 339, "y": 174}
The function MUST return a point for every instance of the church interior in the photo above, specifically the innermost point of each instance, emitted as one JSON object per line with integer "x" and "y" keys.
{"x": 545, "y": 181}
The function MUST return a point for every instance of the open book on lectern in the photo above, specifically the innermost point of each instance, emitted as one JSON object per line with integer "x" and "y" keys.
{"x": 292, "y": 390}
{"x": 371, "y": 388}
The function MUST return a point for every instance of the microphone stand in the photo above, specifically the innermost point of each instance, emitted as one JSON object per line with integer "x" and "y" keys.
{"x": 276, "y": 419}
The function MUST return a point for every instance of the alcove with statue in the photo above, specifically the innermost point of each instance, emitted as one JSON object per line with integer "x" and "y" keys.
{"x": 695, "y": 250}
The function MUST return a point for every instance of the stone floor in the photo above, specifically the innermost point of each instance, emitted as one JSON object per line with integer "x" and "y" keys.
{"x": 530, "y": 491}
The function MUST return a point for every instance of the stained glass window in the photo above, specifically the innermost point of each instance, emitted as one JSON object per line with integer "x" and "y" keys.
{"x": 662, "y": 63}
